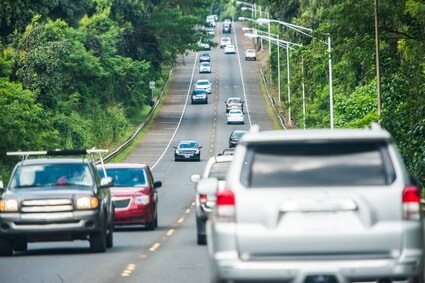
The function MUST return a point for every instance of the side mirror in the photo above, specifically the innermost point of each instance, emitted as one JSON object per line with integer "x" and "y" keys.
{"x": 157, "y": 184}
{"x": 195, "y": 178}
{"x": 199, "y": 146}
{"x": 207, "y": 186}
{"x": 175, "y": 147}
{"x": 106, "y": 182}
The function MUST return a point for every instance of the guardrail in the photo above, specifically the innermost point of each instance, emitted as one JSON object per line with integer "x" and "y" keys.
{"x": 143, "y": 124}
{"x": 282, "y": 119}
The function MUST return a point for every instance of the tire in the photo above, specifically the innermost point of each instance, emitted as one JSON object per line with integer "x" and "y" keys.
{"x": 5, "y": 247}
{"x": 156, "y": 220}
{"x": 110, "y": 236}
{"x": 20, "y": 245}
{"x": 98, "y": 241}
{"x": 201, "y": 239}
{"x": 150, "y": 225}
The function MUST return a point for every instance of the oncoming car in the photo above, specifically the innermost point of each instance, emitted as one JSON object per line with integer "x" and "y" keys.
{"x": 199, "y": 96}
{"x": 224, "y": 41}
{"x": 204, "y": 57}
{"x": 204, "y": 85}
{"x": 235, "y": 137}
{"x": 205, "y": 67}
{"x": 234, "y": 103}
{"x": 56, "y": 198}
{"x": 187, "y": 150}
{"x": 134, "y": 194}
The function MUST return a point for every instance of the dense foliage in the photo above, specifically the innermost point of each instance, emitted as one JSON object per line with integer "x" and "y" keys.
{"x": 74, "y": 74}
{"x": 351, "y": 25}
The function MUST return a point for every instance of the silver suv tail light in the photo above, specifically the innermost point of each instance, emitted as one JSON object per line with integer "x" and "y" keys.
{"x": 411, "y": 203}
{"x": 225, "y": 206}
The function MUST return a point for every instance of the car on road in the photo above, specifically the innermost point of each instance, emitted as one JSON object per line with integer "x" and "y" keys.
{"x": 235, "y": 136}
{"x": 204, "y": 57}
{"x": 216, "y": 167}
{"x": 317, "y": 205}
{"x": 224, "y": 41}
{"x": 235, "y": 116}
{"x": 187, "y": 150}
{"x": 134, "y": 194}
{"x": 205, "y": 45}
{"x": 57, "y": 197}
{"x": 250, "y": 54}
{"x": 205, "y": 67}
{"x": 227, "y": 28}
{"x": 234, "y": 103}
{"x": 229, "y": 49}
{"x": 210, "y": 31}
{"x": 203, "y": 84}
{"x": 199, "y": 96}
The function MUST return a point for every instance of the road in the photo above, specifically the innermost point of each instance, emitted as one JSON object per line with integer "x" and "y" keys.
{"x": 169, "y": 253}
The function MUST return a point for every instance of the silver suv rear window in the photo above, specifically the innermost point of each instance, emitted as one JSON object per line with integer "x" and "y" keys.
{"x": 317, "y": 164}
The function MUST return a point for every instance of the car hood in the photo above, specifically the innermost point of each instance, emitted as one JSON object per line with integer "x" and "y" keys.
{"x": 126, "y": 191}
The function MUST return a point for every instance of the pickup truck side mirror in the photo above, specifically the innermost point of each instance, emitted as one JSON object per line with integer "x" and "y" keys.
{"x": 107, "y": 182}
{"x": 157, "y": 184}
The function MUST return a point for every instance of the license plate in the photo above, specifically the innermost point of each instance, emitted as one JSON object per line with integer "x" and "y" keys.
{"x": 187, "y": 156}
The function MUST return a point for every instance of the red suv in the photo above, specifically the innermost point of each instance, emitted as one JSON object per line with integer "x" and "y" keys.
{"x": 134, "y": 194}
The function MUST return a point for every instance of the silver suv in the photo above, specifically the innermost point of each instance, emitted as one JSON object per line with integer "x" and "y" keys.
{"x": 316, "y": 206}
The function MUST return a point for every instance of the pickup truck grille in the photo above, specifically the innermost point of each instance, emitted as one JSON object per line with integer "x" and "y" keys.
{"x": 47, "y": 205}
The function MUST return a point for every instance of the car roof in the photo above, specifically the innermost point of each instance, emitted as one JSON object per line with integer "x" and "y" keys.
{"x": 234, "y": 98}
{"x": 239, "y": 131}
{"x": 317, "y": 134}
{"x": 202, "y": 80}
{"x": 250, "y": 50}
{"x": 187, "y": 141}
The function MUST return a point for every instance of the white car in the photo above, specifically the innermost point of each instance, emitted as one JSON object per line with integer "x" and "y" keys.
{"x": 229, "y": 49}
{"x": 250, "y": 54}
{"x": 205, "y": 67}
{"x": 235, "y": 116}
{"x": 224, "y": 41}
{"x": 203, "y": 84}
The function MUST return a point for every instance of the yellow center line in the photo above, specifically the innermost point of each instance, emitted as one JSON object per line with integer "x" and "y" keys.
{"x": 155, "y": 247}
{"x": 170, "y": 232}
{"x": 180, "y": 220}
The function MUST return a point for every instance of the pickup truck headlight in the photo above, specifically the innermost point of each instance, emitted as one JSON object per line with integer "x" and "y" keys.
{"x": 8, "y": 205}
{"x": 87, "y": 203}
{"x": 142, "y": 200}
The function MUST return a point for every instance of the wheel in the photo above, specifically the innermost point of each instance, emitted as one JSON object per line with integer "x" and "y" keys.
{"x": 110, "y": 236}
{"x": 201, "y": 239}
{"x": 20, "y": 245}
{"x": 150, "y": 225}
{"x": 156, "y": 220}
{"x": 5, "y": 247}
{"x": 98, "y": 241}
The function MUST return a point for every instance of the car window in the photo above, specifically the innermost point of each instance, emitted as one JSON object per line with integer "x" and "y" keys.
{"x": 219, "y": 170}
{"x": 51, "y": 175}
{"x": 317, "y": 165}
{"x": 127, "y": 177}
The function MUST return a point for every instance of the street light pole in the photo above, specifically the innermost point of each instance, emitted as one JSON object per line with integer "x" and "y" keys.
{"x": 378, "y": 72}
{"x": 306, "y": 31}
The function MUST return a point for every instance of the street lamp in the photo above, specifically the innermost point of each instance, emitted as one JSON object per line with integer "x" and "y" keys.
{"x": 307, "y": 31}
{"x": 268, "y": 25}
{"x": 253, "y": 6}
{"x": 287, "y": 45}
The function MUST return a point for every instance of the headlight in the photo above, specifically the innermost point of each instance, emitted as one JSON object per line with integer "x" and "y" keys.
{"x": 8, "y": 205}
{"x": 177, "y": 152}
{"x": 142, "y": 200}
{"x": 197, "y": 151}
{"x": 87, "y": 202}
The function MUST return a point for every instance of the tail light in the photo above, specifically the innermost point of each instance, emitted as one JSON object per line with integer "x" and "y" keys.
{"x": 225, "y": 205}
{"x": 202, "y": 198}
{"x": 411, "y": 203}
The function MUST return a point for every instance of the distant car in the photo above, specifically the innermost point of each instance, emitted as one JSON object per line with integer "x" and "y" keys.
{"x": 235, "y": 116}
{"x": 205, "y": 45}
{"x": 134, "y": 194}
{"x": 205, "y": 67}
{"x": 210, "y": 31}
{"x": 227, "y": 28}
{"x": 235, "y": 137}
{"x": 250, "y": 54}
{"x": 203, "y": 84}
{"x": 234, "y": 103}
{"x": 225, "y": 41}
{"x": 199, "y": 96}
{"x": 216, "y": 167}
{"x": 211, "y": 20}
{"x": 229, "y": 49}
{"x": 227, "y": 151}
{"x": 204, "y": 57}
{"x": 187, "y": 150}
